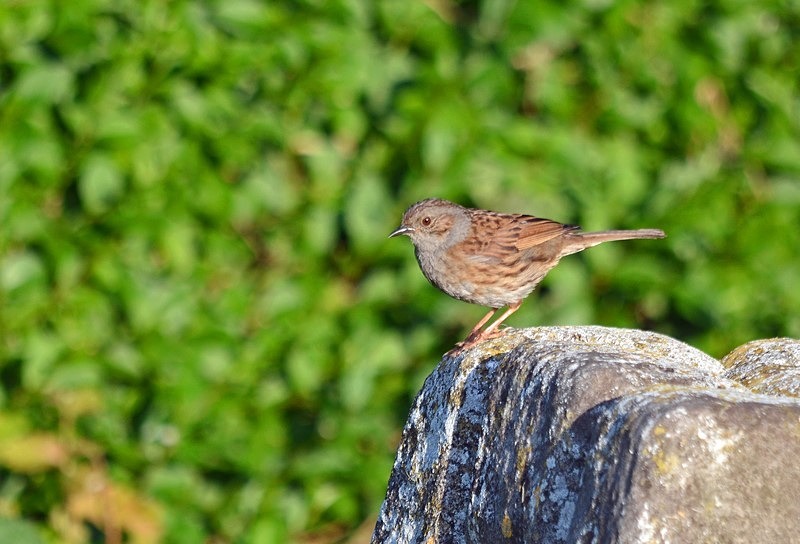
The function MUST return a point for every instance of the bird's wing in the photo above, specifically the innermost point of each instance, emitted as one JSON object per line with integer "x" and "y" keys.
{"x": 535, "y": 230}
{"x": 496, "y": 237}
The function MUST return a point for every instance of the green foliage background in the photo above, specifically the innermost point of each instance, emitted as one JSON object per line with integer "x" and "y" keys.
{"x": 198, "y": 304}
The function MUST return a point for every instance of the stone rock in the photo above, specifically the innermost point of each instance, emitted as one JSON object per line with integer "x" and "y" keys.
{"x": 590, "y": 434}
{"x": 769, "y": 366}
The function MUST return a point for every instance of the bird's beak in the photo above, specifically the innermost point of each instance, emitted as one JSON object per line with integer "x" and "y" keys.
{"x": 402, "y": 229}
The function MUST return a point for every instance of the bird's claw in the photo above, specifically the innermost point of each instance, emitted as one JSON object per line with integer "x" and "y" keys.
{"x": 473, "y": 340}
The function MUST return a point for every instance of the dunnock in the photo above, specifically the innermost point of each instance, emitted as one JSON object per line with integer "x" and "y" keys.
{"x": 493, "y": 259}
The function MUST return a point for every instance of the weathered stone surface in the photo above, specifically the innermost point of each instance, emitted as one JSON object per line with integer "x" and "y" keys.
{"x": 769, "y": 366}
{"x": 589, "y": 434}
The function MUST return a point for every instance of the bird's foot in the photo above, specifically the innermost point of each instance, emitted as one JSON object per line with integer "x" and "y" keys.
{"x": 473, "y": 340}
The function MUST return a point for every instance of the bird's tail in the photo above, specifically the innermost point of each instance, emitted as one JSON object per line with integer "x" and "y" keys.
{"x": 582, "y": 240}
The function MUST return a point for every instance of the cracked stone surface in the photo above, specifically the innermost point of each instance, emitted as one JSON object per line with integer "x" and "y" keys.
{"x": 591, "y": 434}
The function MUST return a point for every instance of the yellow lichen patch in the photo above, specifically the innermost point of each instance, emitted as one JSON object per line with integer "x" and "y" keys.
{"x": 537, "y": 495}
{"x": 522, "y": 458}
{"x": 505, "y": 527}
{"x": 711, "y": 505}
{"x": 666, "y": 463}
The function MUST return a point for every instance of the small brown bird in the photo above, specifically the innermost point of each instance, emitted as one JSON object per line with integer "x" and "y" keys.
{"x": 493, "y": 259}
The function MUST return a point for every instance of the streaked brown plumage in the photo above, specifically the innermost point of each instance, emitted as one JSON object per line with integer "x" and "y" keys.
{"x": 493, "y": 259}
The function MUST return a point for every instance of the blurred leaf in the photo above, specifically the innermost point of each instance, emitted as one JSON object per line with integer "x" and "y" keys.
{"x": 137, "y": 517}
{"x": 101, "y": 183}
{"x": 32, "y": 453}
{"x": 42, "y": 350}
{"x": 366, "y": 211}
{"x": 20, "y": 269}
{"x": 49, "y": 83}
{"x": 19, "y": 532}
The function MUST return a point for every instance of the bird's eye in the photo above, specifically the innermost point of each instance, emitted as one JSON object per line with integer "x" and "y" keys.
{"x": 426, "y": 221}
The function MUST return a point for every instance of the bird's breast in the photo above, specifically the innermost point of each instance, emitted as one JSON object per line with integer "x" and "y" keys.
{"x": 473, "y": 279}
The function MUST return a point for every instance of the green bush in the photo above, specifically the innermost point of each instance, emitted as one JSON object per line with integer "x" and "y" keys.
{"x": 202, "y": 323}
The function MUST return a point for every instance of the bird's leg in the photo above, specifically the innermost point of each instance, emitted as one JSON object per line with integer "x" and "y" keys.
{"x": 490, "y": 330}
{"x": 476, "y": 335}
